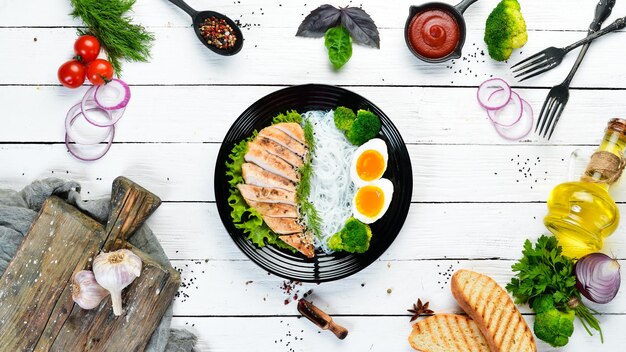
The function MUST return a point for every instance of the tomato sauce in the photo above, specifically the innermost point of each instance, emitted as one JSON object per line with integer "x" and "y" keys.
{"x": 434, "y": 33}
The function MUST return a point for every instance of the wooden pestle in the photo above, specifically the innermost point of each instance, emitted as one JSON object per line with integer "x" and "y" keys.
{"x": 321, "y": 319}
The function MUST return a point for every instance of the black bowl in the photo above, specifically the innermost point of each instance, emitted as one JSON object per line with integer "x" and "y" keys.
{"x": 323, "y": 267}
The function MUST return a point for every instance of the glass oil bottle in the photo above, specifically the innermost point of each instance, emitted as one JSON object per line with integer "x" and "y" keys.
{"x": 581, "y": 214}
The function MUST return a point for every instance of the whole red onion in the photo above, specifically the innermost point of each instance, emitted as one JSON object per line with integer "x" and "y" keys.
{"x": 598, "y": 277}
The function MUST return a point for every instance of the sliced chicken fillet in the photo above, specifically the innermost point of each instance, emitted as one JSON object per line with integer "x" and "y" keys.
{"x": 270, "y": 162}
{"x": 256, "y": 176}
{"x": 293, "y": 129}
{"x": 283, "y": 139}
{"x": 266, "y": 195}
{"x": 274, "y": 210}
{"x": 283, "y": 226}
{"x": 280, "y": 151}
{"x": 303, "y": 242}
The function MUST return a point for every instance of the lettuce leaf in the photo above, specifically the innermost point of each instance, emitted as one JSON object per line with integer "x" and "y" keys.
{"x": 289, "y": 116}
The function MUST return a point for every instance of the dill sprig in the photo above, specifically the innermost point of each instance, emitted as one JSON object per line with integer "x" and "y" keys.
{"x": 121, "y": 38}
{"x": 304, "y": 187}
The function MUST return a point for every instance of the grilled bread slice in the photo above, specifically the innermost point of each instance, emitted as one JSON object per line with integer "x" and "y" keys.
{"x": 447, "y": 332}
{"x": 492, "y": 309}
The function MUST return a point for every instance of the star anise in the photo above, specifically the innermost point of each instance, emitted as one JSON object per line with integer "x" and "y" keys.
{"x": 419, "y": 309}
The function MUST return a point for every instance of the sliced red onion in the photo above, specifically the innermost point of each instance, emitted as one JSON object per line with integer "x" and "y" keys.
{"x": 598, "y": 277}
{"x": 113, "y": 95}
{"x": 522, "y": 128}
{"x": 89, "y": 102}
{"x": 73, "y": 149}
{"x": 514, "y": 113}
{"x": 72, "y": 145}
{"x": 74, "y": 113}
{"x": 486, "y": 92}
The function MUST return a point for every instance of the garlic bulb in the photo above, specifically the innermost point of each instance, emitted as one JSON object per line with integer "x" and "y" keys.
{"x": 85, "y": 290}
{"x": 114, "y": 271}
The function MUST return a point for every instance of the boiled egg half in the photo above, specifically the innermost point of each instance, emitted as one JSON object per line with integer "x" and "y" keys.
{"x": 369, "y": 162}
{"x": 372, "y": 200}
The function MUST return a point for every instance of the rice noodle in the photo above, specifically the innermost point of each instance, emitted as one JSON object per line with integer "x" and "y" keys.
{"x": 332, "y": 189}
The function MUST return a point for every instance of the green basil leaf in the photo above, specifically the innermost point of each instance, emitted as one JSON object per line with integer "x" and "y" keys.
{"x": 339, "y": 45}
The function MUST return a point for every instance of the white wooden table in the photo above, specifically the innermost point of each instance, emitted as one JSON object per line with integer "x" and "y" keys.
{"x": 476, "y": 197}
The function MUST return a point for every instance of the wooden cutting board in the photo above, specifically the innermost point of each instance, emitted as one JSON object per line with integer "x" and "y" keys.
{"x": 36, "y": 307}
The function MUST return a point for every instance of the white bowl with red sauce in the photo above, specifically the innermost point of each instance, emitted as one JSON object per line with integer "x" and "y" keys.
{"x": 435, "y": 31}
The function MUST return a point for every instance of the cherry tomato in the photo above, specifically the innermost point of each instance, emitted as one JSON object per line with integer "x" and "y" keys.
{"x": 86, "y": 48}
{"x": 99, "y": 71}
{"x": 72, "y": 74}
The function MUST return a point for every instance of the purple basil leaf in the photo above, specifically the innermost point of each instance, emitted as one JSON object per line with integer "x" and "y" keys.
{"x": 361, "y": 26}
{"x": 318, "y": 21}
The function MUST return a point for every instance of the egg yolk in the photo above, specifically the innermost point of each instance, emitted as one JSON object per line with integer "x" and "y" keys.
{"x": 369, "y": 200}
{"x": 370, "y": 165}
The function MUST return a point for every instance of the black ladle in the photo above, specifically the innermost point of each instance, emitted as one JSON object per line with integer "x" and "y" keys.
{"x": 199, "y": 16}
{"x": 456, "y": 11}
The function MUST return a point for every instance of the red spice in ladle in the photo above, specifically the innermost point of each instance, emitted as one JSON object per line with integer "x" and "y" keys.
{"x": 217, "y": 32}
{"x": 214, "y": 36}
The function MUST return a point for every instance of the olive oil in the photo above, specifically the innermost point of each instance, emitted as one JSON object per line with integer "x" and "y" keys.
{"x": 582, "y": 214}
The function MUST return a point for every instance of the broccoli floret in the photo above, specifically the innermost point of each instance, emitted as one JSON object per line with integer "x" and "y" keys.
{"x": 551, "y": 324}
{"x": 554, "y": 326}
{"x": 505, "y": 30}
{"x": 365, "y": 127}
{"x": 542, "y": 304}
{"x": 354, "y": 237}
{"x": 344, "y": 117}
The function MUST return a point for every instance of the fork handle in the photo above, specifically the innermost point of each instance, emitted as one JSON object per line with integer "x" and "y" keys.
{"x": 603, "y": 11}
{"x": 618, "y": 24}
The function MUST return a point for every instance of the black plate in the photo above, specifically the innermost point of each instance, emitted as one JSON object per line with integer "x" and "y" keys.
{"x": 323, "y": 267}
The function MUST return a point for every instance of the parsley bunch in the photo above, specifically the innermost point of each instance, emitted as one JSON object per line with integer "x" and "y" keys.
{"x": 544, "y": 271}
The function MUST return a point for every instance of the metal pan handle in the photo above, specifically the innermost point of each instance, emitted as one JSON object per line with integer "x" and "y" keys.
{"x": 463, "y": 5}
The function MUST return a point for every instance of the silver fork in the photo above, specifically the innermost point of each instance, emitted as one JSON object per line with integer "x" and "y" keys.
{"x": 559, "y": 95}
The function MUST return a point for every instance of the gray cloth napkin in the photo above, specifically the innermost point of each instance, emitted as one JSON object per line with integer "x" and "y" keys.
{"x": 19, "y": 209}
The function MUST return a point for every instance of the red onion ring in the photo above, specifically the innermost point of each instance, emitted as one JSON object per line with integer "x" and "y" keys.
{"x": 76, "y": 111}
{"x": 121, "y": 95}
{"x": 497, "y": 83}
{"x": 510, "y": 133}
{"x": 493, "y": 114}
{"x": 88, "y": 101}
{"x": 69, "y": 144}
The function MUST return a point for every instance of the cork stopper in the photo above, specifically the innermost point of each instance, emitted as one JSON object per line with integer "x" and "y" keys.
{"x": 619, "y": 126}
